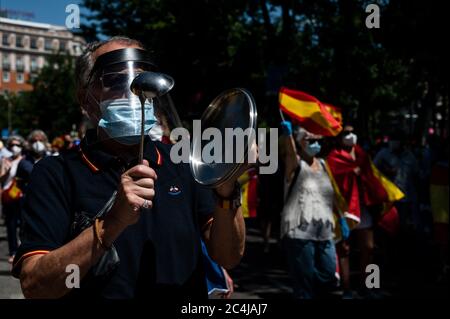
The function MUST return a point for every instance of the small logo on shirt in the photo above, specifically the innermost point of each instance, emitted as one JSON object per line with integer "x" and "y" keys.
{"x": 174, "y": 190}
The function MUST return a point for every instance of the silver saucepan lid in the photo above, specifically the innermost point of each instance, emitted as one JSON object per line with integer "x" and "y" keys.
{"x": 232, "y": 109}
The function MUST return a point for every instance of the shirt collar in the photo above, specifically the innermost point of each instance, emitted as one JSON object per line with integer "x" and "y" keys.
{"x": 98, "y": 159}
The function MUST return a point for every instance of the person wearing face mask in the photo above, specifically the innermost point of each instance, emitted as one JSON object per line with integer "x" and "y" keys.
{"x": 11, "y": 192}
{"x": 38, "y": 150}
{"x": 133, "y": 228}
{"x": 307, "y": 219}
{"x": 38, "y": 145}
{"x": 344, "y": 165}
{"x": 367, "y": 195}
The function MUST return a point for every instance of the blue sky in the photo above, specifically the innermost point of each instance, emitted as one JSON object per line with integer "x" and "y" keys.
{"x": 45, "y": 11}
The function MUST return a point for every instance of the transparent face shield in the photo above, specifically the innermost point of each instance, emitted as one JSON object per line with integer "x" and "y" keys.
{"x": 117, "y": 111}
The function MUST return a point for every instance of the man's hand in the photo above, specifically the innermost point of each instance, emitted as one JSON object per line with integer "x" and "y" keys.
{"x": 136, "y": 189}
{"x": 226, "y": 189}
{"x": 44, "y": 276}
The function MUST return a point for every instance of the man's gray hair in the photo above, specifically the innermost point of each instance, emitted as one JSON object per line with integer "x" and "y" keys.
{"x": 85, "y": 62}
{"x": 36, "y": 133}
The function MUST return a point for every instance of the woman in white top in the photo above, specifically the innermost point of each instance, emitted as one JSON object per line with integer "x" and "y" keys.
{"x": 10, "y": 192}
{"x": 307, "y": 221}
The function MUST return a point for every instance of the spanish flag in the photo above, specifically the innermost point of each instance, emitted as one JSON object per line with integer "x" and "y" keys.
{"x": 249, "y": 196}
{"x": 335, "y": 112}
{"x": 311, "y": 114}
{"x": 374, "y": 189}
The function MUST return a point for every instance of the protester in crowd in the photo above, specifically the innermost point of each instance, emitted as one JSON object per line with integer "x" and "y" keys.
{"x": 349, "y": 182}
{"x": 37, "y": 150}
{"x": 4, "y": 153}
{"x": 307, "y": 220}
{"x": 37, "y": 146}
{"x": 11, "y": 192}
{"x": 132, "y": 229}
{"x": 37, "y": 135}
{"x": 364, "y": 195}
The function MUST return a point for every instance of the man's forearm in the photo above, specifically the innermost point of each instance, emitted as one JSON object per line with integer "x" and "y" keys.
{"x": 227, "y": 237}
{"x": 45, "y": 277}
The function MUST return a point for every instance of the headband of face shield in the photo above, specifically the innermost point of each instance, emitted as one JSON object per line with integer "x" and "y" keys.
{"x": 116, "y": 110}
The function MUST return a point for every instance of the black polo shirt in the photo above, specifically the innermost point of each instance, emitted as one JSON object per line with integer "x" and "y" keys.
{"x": 159, "y": 255}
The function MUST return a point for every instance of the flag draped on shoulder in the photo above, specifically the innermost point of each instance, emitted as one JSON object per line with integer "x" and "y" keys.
{"x": 313, "y": 115}
{"x": 373, "y": 187}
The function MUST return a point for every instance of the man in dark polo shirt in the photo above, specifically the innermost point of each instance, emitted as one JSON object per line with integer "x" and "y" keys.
{"x": 154, "y": 213}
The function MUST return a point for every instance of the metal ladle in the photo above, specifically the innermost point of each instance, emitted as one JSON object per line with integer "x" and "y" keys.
{"x": 148, "y": 85}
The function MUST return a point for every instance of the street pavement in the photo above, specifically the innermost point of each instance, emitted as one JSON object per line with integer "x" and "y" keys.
{"x": 260, "y": 274}
{"x": 9, "y": 286}
{"x": 263, "y": 274}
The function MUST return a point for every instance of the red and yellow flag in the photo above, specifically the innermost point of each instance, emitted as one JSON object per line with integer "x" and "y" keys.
{"x": 311, "y": 114}
{"x": 249, "y": 196}
{"x": 335, "y": 112}
{"x": 376, "y": 188}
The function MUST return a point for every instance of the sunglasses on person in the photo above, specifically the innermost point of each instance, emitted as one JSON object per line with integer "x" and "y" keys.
{"x": 314, "y": 140}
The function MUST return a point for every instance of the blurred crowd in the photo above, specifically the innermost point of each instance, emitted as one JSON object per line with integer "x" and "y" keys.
{"x": 17, "y": 158}
{"x": 411, "y": 237}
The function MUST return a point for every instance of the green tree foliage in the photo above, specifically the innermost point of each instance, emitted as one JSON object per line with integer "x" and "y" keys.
{"x": 51, "y": 105}
{"x": 319, "y": 46}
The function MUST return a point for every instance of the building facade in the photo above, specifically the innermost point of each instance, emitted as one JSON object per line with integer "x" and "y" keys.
{"x": 24, "y": 47}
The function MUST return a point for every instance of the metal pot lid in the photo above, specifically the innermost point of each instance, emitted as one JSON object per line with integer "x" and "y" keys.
{"x": 232, "y": 109}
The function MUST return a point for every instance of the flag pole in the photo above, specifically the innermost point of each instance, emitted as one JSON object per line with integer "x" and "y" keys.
{"x": 281, "y": 114}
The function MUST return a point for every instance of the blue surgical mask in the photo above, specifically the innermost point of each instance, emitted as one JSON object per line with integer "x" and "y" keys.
{"x": 121, "y": 119}
{"x": 312, "y": 149}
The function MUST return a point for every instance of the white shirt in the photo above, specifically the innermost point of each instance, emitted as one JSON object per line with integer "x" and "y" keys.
{"x": 12, "y": 172}
{"x": 308, "y": 211}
